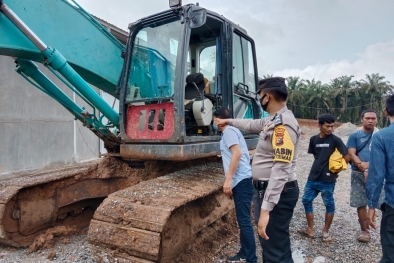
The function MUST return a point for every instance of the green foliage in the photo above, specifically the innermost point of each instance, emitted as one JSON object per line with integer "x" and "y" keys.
{"x": 342, "y": 97}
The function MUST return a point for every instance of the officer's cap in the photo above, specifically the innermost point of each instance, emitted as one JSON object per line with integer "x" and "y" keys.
{"x": 272, "y": 83}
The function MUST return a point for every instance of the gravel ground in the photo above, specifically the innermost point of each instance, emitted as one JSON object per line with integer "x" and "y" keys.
{"x": 72, "y": 249}
{"x": 343, "y": 248}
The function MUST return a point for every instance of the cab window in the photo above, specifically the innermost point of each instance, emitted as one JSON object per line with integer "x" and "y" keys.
{"x": 243, "y": 63}
{"x": 208, "y": 62}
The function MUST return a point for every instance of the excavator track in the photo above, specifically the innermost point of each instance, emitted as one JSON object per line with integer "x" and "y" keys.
{"x": 157, "y": 219}
{"x": 23, "y": 194}
{"x": 32, "y": 202}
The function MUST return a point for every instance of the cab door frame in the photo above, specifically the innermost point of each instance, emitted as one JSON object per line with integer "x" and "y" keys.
{"x": 231, "y": 30}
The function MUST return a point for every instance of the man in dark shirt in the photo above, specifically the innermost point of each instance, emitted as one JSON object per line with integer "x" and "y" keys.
{"x": 321, "y": 179}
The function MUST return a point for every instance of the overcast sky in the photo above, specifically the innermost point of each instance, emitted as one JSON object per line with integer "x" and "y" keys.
{"x": 320, "y": 39}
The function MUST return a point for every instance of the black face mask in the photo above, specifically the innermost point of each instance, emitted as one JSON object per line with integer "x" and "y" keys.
{"x": 264, "y": 106}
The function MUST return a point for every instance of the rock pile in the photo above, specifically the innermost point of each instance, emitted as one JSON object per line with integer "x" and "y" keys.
{"x": 345, "y": 129}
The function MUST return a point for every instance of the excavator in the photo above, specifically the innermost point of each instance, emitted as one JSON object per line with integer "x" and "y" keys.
{"x": 177, "y": 67}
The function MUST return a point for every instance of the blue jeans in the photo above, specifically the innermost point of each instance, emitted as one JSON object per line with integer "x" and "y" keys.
{"x": 242, "y": 194}
{"x": 312, "y": 189}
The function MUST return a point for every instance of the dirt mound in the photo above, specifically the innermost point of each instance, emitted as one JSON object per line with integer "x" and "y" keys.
{"x": 345, "y": 129}
{"x": 308, "y": 131}
{"x": 305, "y": 130}
{"x": 48, "y": 239}
{"x": 109, "y": 167}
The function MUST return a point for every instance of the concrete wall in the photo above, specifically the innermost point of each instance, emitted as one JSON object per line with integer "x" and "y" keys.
{"x": 35, "y": 130}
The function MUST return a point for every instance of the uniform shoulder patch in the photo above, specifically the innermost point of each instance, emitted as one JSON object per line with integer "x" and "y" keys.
{"x": 282, "y": 145}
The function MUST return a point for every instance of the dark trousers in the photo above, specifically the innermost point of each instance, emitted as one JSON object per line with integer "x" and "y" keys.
{"x": 277, "y": 248}
{"x": 242, "y": 194}
{"x": 387, "y": 234}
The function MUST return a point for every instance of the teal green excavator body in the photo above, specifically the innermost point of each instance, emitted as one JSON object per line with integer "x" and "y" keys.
{"x": 160, "y": 116}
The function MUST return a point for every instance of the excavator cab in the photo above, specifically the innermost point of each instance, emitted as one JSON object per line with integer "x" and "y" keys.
{"x": 180, "y": 66}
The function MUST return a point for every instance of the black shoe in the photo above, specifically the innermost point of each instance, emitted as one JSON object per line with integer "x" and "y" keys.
{"x": 237, "y": 258}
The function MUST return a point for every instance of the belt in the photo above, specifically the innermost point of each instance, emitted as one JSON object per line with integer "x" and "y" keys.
{"x": 262, "y": 185}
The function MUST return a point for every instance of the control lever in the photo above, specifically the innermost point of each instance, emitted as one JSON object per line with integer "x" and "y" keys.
{"x": 201, "y": 96}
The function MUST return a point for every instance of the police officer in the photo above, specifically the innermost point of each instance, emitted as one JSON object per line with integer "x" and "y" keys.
{"x": 273, "y": 168}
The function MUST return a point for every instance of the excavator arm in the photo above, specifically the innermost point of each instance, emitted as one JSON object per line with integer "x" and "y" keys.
{"x": 88, "y": 47}
{"x": 74, "y": 46}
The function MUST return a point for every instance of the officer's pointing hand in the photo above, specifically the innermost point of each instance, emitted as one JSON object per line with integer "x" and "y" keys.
{"x": 221, "y": 122}
{"x": 263, "y": 222}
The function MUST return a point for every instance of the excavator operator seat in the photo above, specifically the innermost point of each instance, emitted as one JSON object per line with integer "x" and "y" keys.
{"x": 195, "y": 100}
{"x": 190, "y": 90}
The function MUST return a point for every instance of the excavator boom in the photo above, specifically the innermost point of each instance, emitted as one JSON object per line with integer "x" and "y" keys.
{"x": 87, "y": 46}
{"x": 93, "y": 57}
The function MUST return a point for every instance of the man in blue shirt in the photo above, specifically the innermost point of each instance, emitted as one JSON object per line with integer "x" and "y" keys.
{"x": 238, "y": 184}
{"x": 358, "y": 145}
{"x": 381, "y": 171}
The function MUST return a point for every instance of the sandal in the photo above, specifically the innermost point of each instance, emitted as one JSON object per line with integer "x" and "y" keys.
{"x": 305, "y": 234}
{"x": 364, "y": 236}
{"x": 327, "y": 238}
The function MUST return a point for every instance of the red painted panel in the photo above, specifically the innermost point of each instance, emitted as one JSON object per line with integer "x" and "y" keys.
{"x": 133, "y": 122}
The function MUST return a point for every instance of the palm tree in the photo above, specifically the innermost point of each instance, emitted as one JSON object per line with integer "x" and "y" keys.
{"x": 318, "y": 97}
{"x": 295, "y": 87}
{"x": 342, "y": 97}
{"x": 267, "y": 76}
{"x": 377, "y": 88}
{"x": 342, "y": 87}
